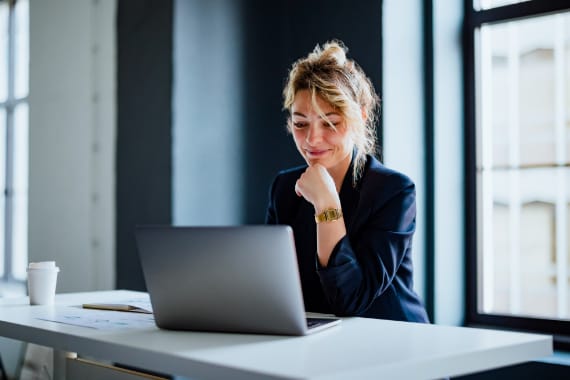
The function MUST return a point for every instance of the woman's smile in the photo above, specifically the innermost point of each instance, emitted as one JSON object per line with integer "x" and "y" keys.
{"x": 316, "y": 153}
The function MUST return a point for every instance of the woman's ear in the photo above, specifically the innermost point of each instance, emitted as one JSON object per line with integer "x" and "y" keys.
{"x": 364, "y": 114}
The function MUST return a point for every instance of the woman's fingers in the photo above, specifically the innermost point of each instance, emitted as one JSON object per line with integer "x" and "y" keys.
{"x": 298, "y": 189}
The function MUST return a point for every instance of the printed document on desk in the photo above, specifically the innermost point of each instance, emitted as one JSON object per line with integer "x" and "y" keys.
{"x": 105, "y": 318}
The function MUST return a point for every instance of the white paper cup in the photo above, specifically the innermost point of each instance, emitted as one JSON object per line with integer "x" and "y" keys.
{"x": 42, "y": 281}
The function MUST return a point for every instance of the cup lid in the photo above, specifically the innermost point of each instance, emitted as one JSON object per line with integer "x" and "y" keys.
{"x": 42, "y": 265}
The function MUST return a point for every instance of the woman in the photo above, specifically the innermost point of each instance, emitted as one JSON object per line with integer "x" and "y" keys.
{"x": 353, "y": 218}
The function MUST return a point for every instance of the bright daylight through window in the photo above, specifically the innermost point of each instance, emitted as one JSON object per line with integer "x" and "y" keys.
{"x": 522, "y": 165}
{"x": 14, "y": 57}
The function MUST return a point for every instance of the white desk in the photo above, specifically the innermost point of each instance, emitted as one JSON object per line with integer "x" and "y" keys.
{"x": 358, "y": 348}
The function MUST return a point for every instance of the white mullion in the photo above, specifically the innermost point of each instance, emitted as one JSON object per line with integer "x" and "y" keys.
{"x": 561, "y": 198}
{"x": 9, "y": 153}
{"x": 514, "y": 175}
{"x": 486, "y": 103}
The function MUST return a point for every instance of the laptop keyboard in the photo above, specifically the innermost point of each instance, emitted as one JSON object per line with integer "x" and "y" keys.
{"x": 314, "y": 322}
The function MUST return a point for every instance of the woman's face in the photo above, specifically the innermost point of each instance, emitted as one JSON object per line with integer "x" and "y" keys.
{"x": 315, "y": 139}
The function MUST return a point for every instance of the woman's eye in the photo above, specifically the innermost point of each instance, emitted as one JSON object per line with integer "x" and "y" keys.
{"x": 331, "y": 124}
{"x": 299, "y": 124}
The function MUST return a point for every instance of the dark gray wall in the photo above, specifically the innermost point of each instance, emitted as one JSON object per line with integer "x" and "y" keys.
{"x": 143, "y": 186}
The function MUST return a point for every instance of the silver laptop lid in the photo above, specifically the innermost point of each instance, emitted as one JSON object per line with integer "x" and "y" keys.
{"x": 231, "y": 279}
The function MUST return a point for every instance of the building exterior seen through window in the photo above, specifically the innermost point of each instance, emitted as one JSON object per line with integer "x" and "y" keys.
{"x": 14, "y": 69}
{"x": 489, "y": 4}
{"x": 522, "y": 83}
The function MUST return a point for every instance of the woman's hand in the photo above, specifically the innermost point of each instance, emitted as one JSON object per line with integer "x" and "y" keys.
{"x": 318, "y": 188}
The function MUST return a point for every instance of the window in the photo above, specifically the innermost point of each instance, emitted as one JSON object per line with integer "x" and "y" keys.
{"x": 14, "y": 35}
{"x": 517, "y": 88}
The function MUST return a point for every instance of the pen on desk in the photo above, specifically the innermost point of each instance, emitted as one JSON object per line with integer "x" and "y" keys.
{"x": 109, "y": 306}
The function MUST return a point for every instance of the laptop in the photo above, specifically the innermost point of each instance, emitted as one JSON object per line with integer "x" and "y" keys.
{"x": 240, "y": 279}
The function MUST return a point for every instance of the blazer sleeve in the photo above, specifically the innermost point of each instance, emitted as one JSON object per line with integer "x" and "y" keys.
{"x": 363, "y": 267}
{"x": 270, "y": 214}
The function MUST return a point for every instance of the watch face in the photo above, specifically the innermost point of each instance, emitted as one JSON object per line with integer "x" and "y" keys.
{"x": 328, "y": 215}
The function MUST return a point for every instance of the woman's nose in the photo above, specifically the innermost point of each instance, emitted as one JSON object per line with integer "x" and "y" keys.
{"x": 314, "y": 135}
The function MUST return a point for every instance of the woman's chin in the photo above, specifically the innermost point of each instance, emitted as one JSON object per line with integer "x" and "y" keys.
{"x": 315, "y": 161}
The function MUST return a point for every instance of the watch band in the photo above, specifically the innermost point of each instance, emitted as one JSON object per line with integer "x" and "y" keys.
{"x": 329, "y": 215}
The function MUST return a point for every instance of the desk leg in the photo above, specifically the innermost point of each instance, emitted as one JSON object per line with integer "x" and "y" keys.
{"x": 59, "y": 363}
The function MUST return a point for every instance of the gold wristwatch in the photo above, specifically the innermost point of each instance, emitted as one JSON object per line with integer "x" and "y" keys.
{"x": 329, "y": 215}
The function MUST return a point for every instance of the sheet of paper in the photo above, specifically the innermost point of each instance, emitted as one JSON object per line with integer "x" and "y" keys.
{"x": 100, "y": 319}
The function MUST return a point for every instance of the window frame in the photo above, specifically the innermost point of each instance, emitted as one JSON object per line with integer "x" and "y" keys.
{"x": 10, "y": 105}
{"x": 473, "y": 19}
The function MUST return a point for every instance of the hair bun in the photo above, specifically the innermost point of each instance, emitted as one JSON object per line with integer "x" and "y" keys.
{"x": 335, "y": 51}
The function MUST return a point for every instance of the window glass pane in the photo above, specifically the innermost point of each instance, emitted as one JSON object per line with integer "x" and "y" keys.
{"x": 537, "y": 78}
{"x": 526, "y": 75}
{"x": 523, "y": 159}
{"x": 2, "y": 185}
{"x": 527, "y": 244}
{"x": 20, "y": 216}
{"x": 487, "y": 4}
{"x": 3, "y": 51}
{"x": 21, "y": 39}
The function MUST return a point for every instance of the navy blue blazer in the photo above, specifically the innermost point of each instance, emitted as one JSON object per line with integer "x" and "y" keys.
{"x": 369, "y": 273}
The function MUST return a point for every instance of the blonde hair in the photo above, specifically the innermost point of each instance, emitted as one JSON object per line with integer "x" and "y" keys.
{"x": 327, "y": 73}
